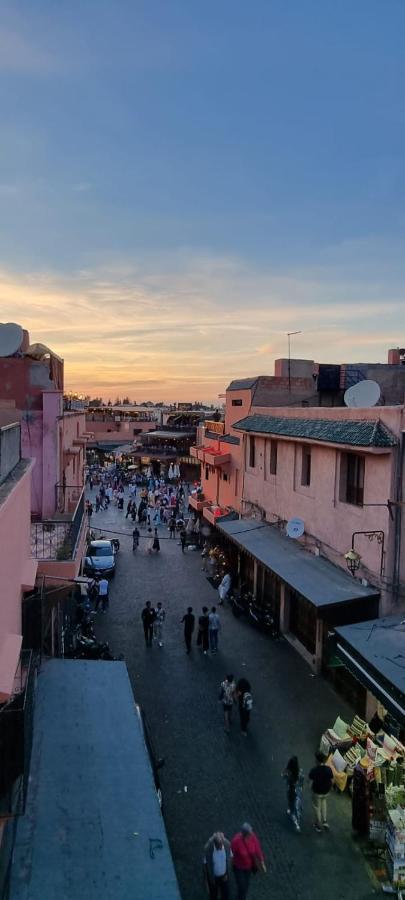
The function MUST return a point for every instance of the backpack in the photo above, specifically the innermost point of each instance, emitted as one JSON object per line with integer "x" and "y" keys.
{"x": 247, "y": 702}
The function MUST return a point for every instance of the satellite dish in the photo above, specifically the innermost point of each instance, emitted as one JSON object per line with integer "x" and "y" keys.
{"x": 11, "y": 338}
{"x": 295, "y": 528}
{"x": 362, "y": 395}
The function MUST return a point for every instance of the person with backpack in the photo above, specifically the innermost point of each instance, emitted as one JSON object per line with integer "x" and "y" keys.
{"x": 227, "y": 695}
{"x": 245, "y": 703}
{"x": 295, "y": 779}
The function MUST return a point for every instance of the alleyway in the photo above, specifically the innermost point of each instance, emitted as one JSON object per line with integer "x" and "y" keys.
{"x": 228, "y": 779}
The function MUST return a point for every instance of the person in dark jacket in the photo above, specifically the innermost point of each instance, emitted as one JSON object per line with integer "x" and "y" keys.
{"x": 148, "y": 618}
{"x": 322, "y": 779}
{"x": 245, "y": 703}
{"x": 188, "y": 620}
{"x": 217, "y": 866}
{"x": 203, "y": 633}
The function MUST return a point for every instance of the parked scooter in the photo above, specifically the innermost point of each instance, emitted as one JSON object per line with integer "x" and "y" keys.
{"x": 240, "y": 602}
{"x": 262, "y": 617}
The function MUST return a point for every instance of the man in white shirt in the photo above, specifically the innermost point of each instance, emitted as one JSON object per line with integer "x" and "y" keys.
{"x": 102, "y": 594}
{"x": 217, "y": 863}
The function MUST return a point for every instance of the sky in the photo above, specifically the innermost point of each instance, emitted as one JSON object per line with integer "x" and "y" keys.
{"x": 182, "y": 183}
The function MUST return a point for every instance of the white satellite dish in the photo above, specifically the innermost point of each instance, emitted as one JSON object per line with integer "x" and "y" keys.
{"x": 362, "y": 395}
{"x": 295, "y": 528}
{"x": 11, "y": 338}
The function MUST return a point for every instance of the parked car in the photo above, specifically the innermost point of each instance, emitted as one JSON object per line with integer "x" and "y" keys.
{"x": 100, "y": 558}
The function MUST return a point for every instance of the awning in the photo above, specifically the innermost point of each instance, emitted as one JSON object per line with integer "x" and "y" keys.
{"x": 374, "y": 652}
{"x": 317, "y": 579}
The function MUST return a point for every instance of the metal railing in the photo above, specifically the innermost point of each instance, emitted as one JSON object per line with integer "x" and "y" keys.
{"x": 16, "y": 725}
{"x": 67, "y": 496}
{"x": 57, "y": 540}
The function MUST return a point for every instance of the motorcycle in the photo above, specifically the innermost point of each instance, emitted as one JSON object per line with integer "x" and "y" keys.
{"x": 262, "y": 617}
{"x": 240, "y": 602}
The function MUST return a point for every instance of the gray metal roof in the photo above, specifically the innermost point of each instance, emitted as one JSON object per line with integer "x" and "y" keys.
{"x": 358, "y": 433}
{"x": 92, "y": 805}
{"x": 317, "y": 579}
{"x": 242, "y": 384}
{"x": 168, "y": 435}
{"x": 378, "y": 646}
{"x": 229, "y": 439}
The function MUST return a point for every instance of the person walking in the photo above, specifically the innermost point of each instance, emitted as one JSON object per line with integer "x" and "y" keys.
{"x": 172, "y": 527}
{"x": 135, "y": 538}
{"x": 203, "y": 626}
{"x": 224, "y": 588}
{"x": 156, "y": 542}
{"x": 217, "y": 866}
{"x": 148, "y": 618}
{"x": 247, "y": 857}
{"x": 150, "y": 541}
{"x": 183, "y": 538}
{"x": 295, "y": 780}
{"x": 214, "y": 627}
{"x": 129, "y": 508}
{"x": 227, "y": 695}
{"x": 158, "y": 623}
{"x": 322, "y": 778}
{"x": 102, "y": 595}
{"x": 189, "y": 621}
{"x": 245, "y": 703}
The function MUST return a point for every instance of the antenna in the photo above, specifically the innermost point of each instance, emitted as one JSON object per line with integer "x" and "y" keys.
{"x": 295, "y": 528}
{"x": 11, "y": 338}
{"x": 362, "y": 395}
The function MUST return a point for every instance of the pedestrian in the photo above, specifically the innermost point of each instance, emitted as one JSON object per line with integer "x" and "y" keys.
{"x": 148, "y": 618}
{"x": 224, "y": 588}
{"x": 214, "y": 626}
{"x": 156, "y": 542}
{"x": 91, "y": 483}
{"x": 92, "y": 590}
{"x": 172, "y": 527}
{"x": 203, "y": 625}
{"x": 97, "y": 503}
{"x": 102, "y": 595}
{"x": 129, "y": 508}
{"x": 133, "y": 511}
{"x": 183, "y": 538}
{"x": 150, "y": 541}
{"x": 189, "y": 621}
{"x": 227, "y": 695}
{"x": 158, "y": 623}
{"x": 247, "y": 857}
{"x": 245, "y": 703}
{"x": 135, "y": 539}
{"x": 295, "y": 780}
{"x": 322, "y": 778}
{"x": 217, "y": 866}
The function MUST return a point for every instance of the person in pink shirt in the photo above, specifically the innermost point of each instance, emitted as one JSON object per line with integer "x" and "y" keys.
{"x": 247, "y": 858}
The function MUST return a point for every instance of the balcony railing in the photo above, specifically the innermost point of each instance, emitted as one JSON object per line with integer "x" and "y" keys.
{"x": 58, "y": 540}
{"x": 67, "y": 497}
{"x": 16, "y": 738}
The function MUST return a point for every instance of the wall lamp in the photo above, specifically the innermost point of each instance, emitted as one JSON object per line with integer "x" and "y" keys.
{"x": 352, "y": 561}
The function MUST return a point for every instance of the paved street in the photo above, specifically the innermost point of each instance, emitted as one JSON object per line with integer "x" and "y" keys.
{"x": 228, "y": 779}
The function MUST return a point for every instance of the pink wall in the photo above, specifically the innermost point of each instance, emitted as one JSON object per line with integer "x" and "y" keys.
{"x": 15, "y": 550}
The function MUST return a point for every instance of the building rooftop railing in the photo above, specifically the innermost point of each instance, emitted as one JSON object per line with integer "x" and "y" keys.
{"x": 52, "y": 539}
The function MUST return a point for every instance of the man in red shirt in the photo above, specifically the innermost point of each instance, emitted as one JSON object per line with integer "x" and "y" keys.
{"x": 247, "y": 858}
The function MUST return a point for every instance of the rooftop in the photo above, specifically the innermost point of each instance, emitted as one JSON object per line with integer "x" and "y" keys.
{"x": 380, "y": 646}
{"x": 358, "y": 433}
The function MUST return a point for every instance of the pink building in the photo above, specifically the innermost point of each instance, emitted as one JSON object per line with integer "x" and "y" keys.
{"x": 18, "y": 569}
{"x": 31, "y": 392}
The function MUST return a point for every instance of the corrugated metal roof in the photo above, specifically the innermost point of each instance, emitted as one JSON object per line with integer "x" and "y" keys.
{"x": 358, "y": 433}
{"x": 317, "y": 579}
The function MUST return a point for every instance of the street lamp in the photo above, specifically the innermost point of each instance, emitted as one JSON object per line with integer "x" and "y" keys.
{"x": 352, "y": 561}
{"x": 289, "y": 335}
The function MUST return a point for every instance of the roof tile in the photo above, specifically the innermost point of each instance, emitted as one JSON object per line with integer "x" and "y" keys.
{"x": 358, "y": 433}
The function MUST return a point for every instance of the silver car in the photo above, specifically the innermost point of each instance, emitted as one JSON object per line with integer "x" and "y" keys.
{"x": 100, "y": 559}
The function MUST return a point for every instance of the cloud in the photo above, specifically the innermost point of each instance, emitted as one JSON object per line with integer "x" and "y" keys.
{"x": 18, "y": 53}
{"x": 184, "y": 326}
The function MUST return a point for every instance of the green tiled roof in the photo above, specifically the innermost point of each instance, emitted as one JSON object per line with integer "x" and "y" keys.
{"x": 358, "y": 433}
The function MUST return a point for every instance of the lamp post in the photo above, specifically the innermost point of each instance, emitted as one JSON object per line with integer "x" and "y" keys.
{"x": 353, "y": 560}
{"x": 289, "y": 335}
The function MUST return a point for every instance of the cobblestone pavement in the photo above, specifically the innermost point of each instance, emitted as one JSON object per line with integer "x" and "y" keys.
{"x": 229, "y": 778}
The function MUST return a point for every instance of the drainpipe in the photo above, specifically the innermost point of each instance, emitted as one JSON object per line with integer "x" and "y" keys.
{"x": 396, "y": 574}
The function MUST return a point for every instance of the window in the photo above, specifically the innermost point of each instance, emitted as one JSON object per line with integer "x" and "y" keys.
{"x": 306, "y": 466}
{"x": 273, "y": 458}
{"x": 252, "y": 452}
{"x": 352, "y": 478}
{"x": 225, "y": 477}
{"x": 207, "y": 473}
{"x": 236, "y": 482}
{"x": 236, "y": 402}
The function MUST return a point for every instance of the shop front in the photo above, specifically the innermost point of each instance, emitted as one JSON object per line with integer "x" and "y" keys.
{"x": 307, "y": 595}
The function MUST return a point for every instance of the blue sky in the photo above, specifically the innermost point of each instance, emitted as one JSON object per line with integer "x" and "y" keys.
{"x": 182, "y": 183}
